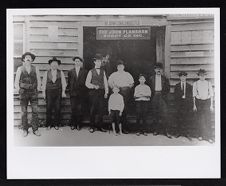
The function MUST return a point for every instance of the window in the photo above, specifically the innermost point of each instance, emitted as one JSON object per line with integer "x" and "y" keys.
{"x": 18, "y": 39}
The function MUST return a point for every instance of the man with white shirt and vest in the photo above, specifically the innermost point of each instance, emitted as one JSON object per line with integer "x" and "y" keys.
{"x": 203, "y": 105}
{"x": 183, "y": 103}
{"x": 160, "y": 87}
{"x": 53, "y": 86}
{"x": 77, "y": 89}
{"x": 124, "y": 81}
{"x": 28, "y": 83}
{"x": 97, "y": 84}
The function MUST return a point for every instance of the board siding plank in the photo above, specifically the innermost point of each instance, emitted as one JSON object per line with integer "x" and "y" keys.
{"x": 45, "y": 38}
{"x": 190, "y": 67}
{"x": 192, "y": 47}
{"x": 54, "y": 45}
{"x": 54, "y": 23}
{"x": 57, "y": 53}
{"x": 191, "y": 54}
{"x": 187, "y": 27}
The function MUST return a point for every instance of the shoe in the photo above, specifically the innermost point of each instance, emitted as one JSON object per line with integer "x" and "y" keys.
{"x": 200, "y": 138}
{"x": 91, "y": 130}
{"x": 48, "y": 128}
{"x": 168, "y": 136}
{"x": 125, "y": 132}
{"x": 155, "y": 133}
{"x": 56, "y": 127}
{"x": 36, "y": 133}
{"x": 138, "y": 133}
{"x": 78, "y": 127}
{"x": 73, "y": 127}
{"x": 25, "y": 133}
{"x": 177, "y": 136}
{"x": 145, "y": 134}
{"x": 210, "y": 141}
{"x": 102, "y": 130}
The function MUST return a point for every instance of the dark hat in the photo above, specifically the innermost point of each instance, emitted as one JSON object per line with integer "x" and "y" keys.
{"x": 142, "y": 75}
{"x": 77, "y": 57}
{"x": 28, "y": 54}
{"x": 182, "y": 73}
{"x": 98, "y": 56}
{"x": 158, "y": 65}
{"x": 201, "y": 71}
{"x": 120, "y": 62}
{"x": 55, "y": 59}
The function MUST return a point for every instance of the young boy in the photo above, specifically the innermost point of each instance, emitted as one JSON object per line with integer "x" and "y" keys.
{"x": 115, "y": 109}
{"x": 28, "y": 83}
{"x": 203, "y": 105}
{"x": 53, "y": 86}
{"x": 96, "y": 82}
{"x": 142, "y": 95}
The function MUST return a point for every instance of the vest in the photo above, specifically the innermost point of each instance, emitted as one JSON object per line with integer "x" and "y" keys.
{"x": 98, "y": 79}
{"x": 28, "y": 81}
{"x": 49, "y": 82}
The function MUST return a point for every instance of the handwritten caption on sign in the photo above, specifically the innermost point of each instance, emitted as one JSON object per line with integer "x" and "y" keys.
{"x": 123, "y": 33}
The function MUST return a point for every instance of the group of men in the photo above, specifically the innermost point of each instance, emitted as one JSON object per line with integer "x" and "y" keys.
{"x": 153, "y": 90}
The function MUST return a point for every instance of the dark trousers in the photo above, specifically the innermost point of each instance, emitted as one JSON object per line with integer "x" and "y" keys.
{"x": 26, "y": 97}
{"x": 160, "y": 111}
{"x": 76, "y": 109}
{"x": 183, "y": 117}
{"x": 203, "y": 118}
{"x": 125, "y": 92}
{"x": 115, "y": 118}
{"x": 96, "y": 107}
{"x": 53, "y": 103}
{"x": 141, "y": 112}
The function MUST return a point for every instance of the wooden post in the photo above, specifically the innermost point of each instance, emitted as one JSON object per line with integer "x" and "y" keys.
{"x": 167, "y": 50}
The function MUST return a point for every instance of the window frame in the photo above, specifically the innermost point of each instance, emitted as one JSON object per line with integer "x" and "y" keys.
{"x": 19, "y": 41}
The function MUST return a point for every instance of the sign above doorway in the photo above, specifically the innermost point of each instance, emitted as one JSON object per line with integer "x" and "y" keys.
{"x": 123, "y": 33}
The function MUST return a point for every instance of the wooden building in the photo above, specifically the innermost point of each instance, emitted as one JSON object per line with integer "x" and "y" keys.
{"x": 181, "y": 43}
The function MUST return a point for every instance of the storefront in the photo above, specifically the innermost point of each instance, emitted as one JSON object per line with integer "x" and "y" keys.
{"x": 181, "y": 43}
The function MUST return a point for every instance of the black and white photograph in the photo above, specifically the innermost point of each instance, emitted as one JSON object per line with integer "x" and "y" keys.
{"x": 83, "y": 78}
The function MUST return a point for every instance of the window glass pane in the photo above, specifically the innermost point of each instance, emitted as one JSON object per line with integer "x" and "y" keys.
{"x": 18, "y": 31}
{"x": 18, "y": 48}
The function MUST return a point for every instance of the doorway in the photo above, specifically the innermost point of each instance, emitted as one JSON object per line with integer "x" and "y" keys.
{"x": 139, "y": 55}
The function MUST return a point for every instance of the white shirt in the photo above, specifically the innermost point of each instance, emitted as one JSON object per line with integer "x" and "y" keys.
{"x": 120, "y": 79}
{"x": 183, "y": 87}
{"x": 28, "y": 69}
{"x": 202, "y": 90}
{"x": 158, "y": 83}
{"x": 142, "y": 93}
{"x": 116, "y": 102}
{"x": 77, "y": 69}
{"x": 54, "y": 75}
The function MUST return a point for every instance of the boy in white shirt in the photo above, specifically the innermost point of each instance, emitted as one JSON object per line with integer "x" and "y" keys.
{"x": 115, "y": 109}
{"x": 142, "y": 95}
{"x": 203, "y": 104}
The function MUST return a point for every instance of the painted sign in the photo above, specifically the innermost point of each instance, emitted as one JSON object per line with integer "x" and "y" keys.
{"x": 123, "y": 33}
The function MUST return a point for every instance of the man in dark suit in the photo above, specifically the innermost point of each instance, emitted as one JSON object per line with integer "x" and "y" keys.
{"x": 160, "y": 87}
{"x": 76, "y": 86}
{"x": 183, "y": 103}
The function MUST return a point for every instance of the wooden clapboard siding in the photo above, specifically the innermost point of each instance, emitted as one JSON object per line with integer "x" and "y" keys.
{"x": 191, "y": 47}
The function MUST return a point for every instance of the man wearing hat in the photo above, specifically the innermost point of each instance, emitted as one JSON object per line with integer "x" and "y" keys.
{"x": 53, "y": 86}
{"x": 160, "y": 88}
{"x": 203, "y": 105}
{"x": 125, "y": 82}
{"x": 27, "y": 83}
{"x": 77, "y": 89}
{"x": 183, "y": 103}
{"x": 97, "y": 84}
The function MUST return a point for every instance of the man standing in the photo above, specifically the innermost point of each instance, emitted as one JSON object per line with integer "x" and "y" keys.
{"x": 76, "y": 86}
{"x": 203, "y": 105}
{"x": 97, "y": 84}
{"x": 160, "y": 87}
{"x": 53, "y": 86}
{"x": 183, "y": 103}
{"x": 125, "y": 82}
{"x": 27, "y": 83}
